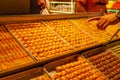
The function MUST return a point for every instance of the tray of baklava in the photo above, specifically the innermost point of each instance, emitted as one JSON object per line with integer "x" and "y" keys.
{"x": 105, "y": 60}
{"x": 12, "y": 54}
{"x": 74, "y": 67}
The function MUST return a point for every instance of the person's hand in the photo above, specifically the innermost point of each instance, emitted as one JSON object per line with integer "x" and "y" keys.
{"x": 104, "y": 21}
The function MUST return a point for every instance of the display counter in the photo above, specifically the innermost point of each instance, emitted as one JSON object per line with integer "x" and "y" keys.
{"x": 46, "y": 38}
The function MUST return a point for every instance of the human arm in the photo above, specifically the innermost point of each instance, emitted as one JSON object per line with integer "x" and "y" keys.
{"x": 106, "y": 20}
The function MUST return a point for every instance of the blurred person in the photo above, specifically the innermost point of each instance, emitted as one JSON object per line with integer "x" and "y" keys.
{"x": 104, "y": 21}
{"x": 116, "y": 5}
{"x": 91, "y": 6}
{"x": 36, "y": 6}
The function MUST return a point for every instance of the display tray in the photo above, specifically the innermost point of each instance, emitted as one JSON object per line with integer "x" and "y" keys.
{"x": 106, "y": 61}
{"x": 12, "y": 55}
{"x": 73, "y": 67}
{"x": 31, "y": 74}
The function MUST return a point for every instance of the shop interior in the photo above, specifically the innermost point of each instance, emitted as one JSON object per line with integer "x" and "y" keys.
{"x": 51, "y": 40}
{"x": 21, "y": 7}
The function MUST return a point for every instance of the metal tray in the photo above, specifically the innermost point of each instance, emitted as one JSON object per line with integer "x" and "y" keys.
{"x": 13, "y": 56}
{"x": 104, "y": 60}
{"x": 31, "y": 74}
{"x": 71, "y": 63}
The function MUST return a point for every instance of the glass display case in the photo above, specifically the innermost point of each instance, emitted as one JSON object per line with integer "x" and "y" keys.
{"x": 61, "y": 6}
